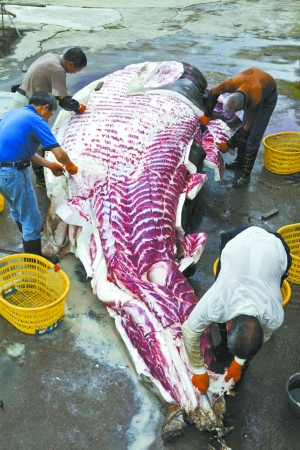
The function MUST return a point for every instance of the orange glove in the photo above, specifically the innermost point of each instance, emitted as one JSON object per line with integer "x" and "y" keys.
{"x": 57, "y": 169}
{"x": 81, "y": 109}
{"x": 204, "y": 119}
{"x": 71, "y": 169}
{"x": 223, "y": 147}
{"x": 234, "y": 371}
{"x": 201, "y": 382}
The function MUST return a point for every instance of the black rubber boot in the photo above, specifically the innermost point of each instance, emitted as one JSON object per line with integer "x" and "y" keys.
{"x": 19, "y": 225}
{"x": 39, "y": 173}
{"x": 39, "y": 170}
{"x": 249, "y": 161}
{"x": 40, "y": 183}
{"x": 35, "y": 247}
{"x": 238, "y": 162}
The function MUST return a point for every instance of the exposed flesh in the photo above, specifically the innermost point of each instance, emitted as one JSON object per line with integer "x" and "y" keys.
{"x": 121, "y": 215}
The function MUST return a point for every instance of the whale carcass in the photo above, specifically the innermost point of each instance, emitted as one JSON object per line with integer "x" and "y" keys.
{"x": 140, "y": 148}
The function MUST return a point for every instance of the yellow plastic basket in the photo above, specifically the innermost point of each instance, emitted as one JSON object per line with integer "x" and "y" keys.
{"x": 2, "y": 203}
{"x": 286, "y": 290}
{"x": 32, "y": 293}
{"x": 291, "y": 235}
{"x": 282, "y": 152}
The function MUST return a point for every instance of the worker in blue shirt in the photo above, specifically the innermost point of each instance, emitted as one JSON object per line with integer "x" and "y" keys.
{"x": 21, "y": 132}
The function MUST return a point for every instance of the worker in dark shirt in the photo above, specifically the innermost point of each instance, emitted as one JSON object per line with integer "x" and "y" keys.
{"x": 254, "y": 92}
{"x": 21, "y": 132}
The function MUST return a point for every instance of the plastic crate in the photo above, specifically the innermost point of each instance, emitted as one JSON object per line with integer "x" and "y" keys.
{"x": 32, "y": 292}
{"x": 291, "y": 235}
{"x": 2, "y": 203}
{"x": 286, "y": 290}
{"x": 282, "y": 152}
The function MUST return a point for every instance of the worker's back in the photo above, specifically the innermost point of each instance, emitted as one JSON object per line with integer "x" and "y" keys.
{"x": 249, "y": 281}
{"x": 252, "y": 265}
{"x": 46, "y": 74}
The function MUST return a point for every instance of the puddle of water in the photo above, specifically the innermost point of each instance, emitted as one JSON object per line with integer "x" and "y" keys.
{"x": 9, "y": 38}
{"x": 95, "y": 345}
{"x": 88, "y": 78}
{"x": 8, "y": 367}
{"x": 217, "y": 7}
{"x": 6, "y": 99}
{"x": 279, "y": 57}
{"x": 210, "y": 54}
{"x": 107, "y": 349}
{"x": 142, "y": 432}
{"x": 15, "y": 352}
{"x": 243, "y": 52}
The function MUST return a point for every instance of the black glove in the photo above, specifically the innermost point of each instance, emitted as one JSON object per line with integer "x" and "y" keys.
{"x": 239, "y": 139}
{"x": 69, "y": 104}
{"x": 14, "y": 88}
{"x": 211, "y": 102}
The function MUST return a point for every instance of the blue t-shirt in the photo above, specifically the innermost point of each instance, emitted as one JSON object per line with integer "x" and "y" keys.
{"x": 21, "y": 132}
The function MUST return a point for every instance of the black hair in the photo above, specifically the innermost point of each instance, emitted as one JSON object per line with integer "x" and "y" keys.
{"x": 245, "y": 336}
{"x": 43, "y": 98}
{"x": 76, "y": 56}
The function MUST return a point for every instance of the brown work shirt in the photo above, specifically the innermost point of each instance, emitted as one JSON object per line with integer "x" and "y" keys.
{"x": 255, "y": 84}
{"x": 46, "y": 74}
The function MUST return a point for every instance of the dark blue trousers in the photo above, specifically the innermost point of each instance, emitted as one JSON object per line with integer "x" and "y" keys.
{"x": 258, "y": 129}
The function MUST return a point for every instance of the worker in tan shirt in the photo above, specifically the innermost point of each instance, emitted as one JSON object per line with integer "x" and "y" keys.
{"x": 253, "y": 91}
{"x": 48, "y": 74}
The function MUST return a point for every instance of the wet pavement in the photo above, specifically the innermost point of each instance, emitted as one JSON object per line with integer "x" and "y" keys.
{"x": 76, "y": 388}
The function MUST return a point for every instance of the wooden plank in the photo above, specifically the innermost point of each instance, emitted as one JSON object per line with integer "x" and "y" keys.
{"x": 269, "y": 214}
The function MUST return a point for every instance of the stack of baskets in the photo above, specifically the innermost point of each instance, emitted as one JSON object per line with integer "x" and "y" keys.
{"x": 32, "y": 292}
{"x": 282, "y": 152}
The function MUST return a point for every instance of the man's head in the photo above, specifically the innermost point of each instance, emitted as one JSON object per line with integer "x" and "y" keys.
{"x": 245, "y": 336}
{"x": 75, "y": 60}
{"x": 44, "y": 103}
{"x": 234, "y": 102}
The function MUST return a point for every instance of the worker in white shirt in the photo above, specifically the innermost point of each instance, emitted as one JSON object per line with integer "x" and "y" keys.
{"x": 245, "y": 300}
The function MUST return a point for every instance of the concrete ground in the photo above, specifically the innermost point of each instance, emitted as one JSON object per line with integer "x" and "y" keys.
{"x": 75, "y": 388}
